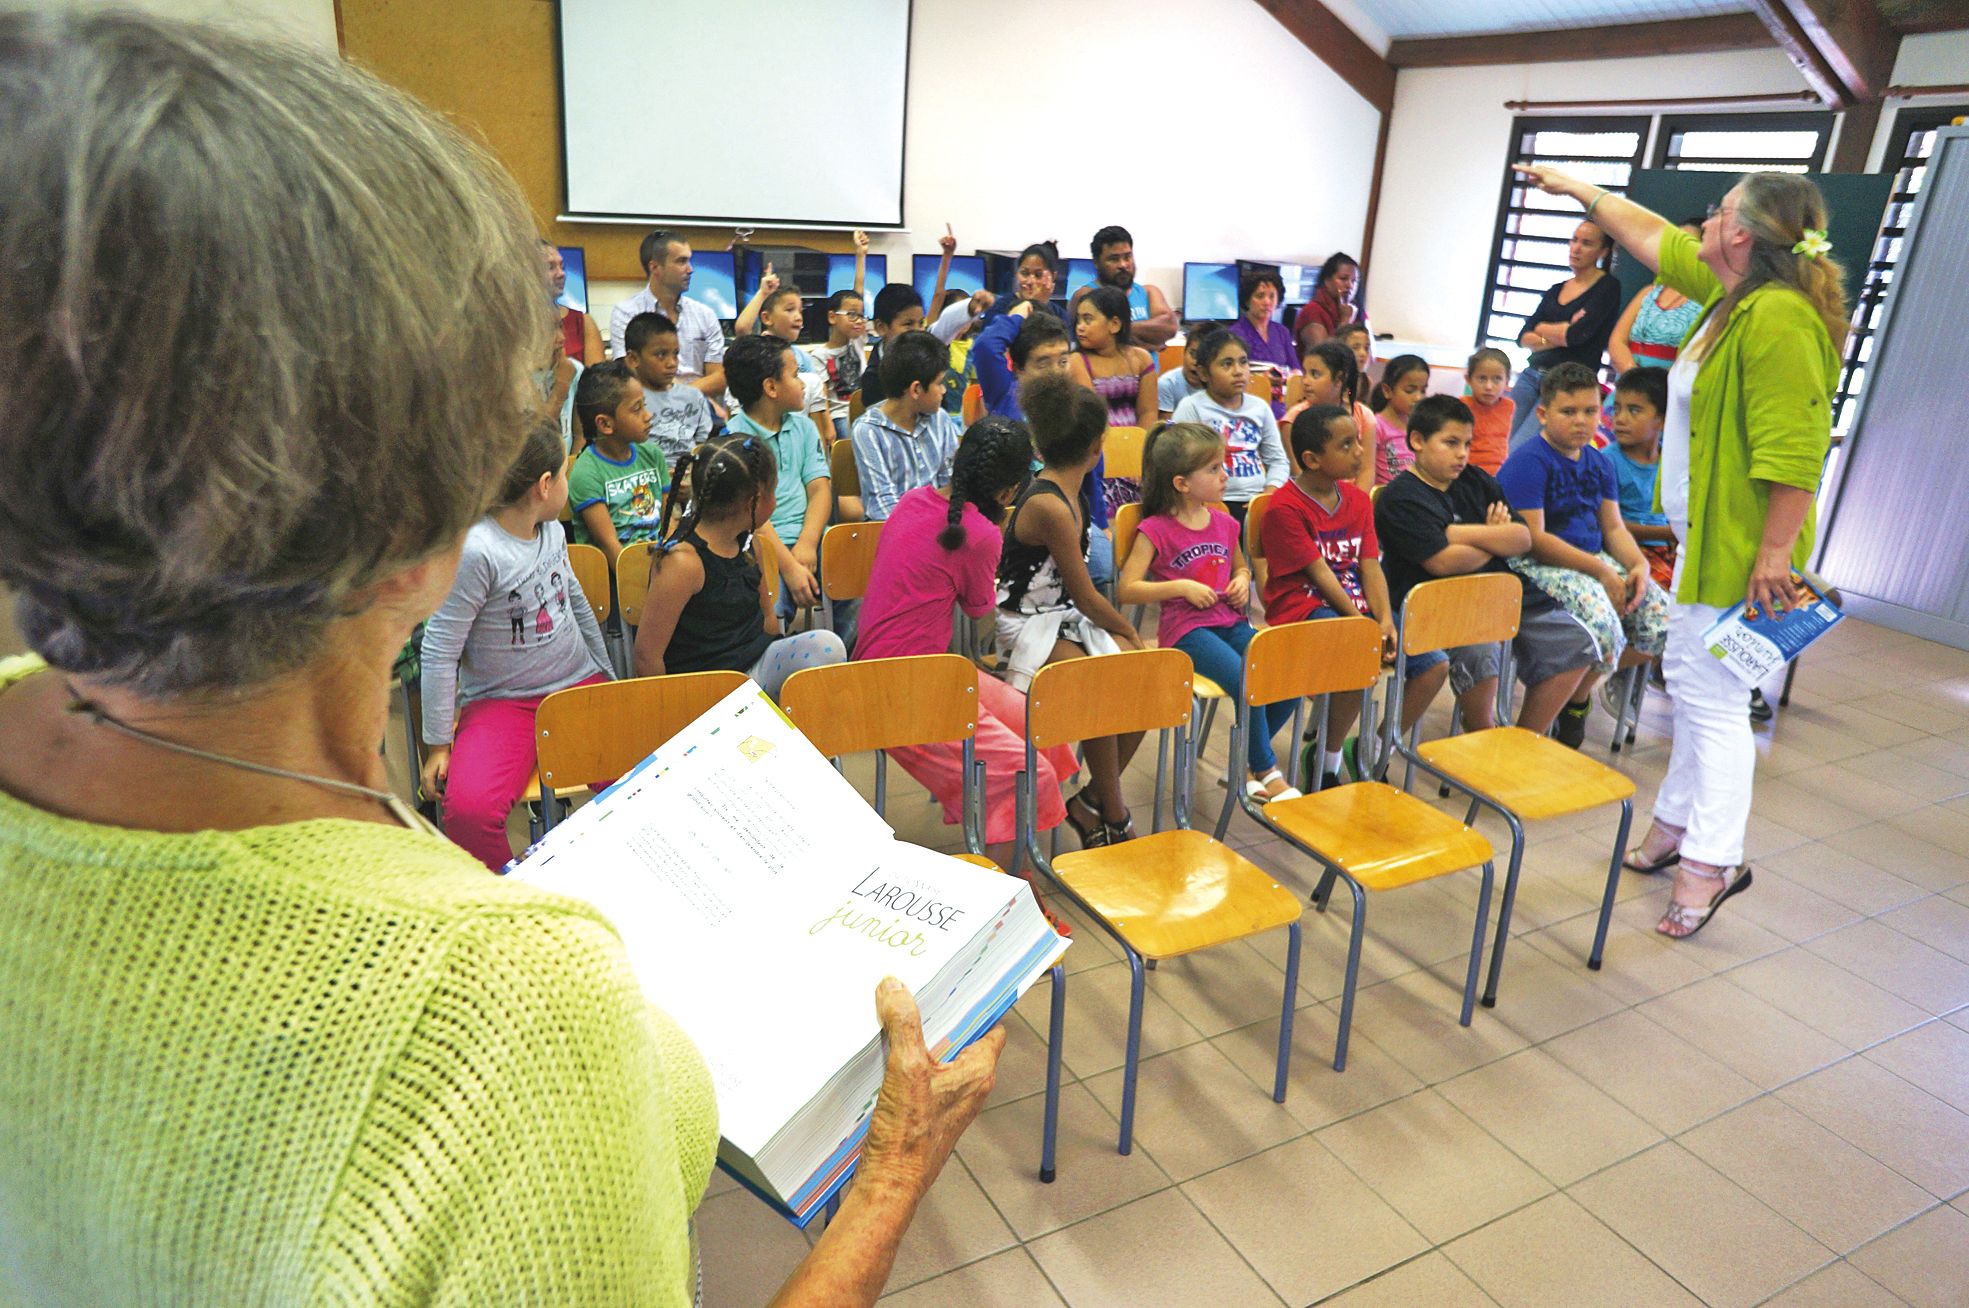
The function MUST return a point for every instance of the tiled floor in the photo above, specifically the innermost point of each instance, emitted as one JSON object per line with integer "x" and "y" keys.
{"x": 1776, "y": 1112}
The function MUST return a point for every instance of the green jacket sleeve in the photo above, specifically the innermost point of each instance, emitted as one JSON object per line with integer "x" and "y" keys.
{"x": 1681, "y": 266}
{"x": 1787, "y": 391}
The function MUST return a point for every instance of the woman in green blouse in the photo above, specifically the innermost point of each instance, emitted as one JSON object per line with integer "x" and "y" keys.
{"x": 1748, "y": 426}
{"x": 268, "y": 328}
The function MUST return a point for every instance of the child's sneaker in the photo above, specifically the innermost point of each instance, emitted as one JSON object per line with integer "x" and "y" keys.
{"x": 1570, "y": 728}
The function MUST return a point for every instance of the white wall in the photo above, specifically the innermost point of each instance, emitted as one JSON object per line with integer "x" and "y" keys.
{"x": 1446, "y": 147}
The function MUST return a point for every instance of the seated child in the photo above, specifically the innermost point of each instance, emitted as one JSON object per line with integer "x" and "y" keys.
{"x": 1188, "y": 557}
{"x": 1329, "y": 374}
{"x": 1356, "y": 337}
{"x": 1444, "y": 517}
{"x": 1640, "y": 403}
{"x": 1034, "y": 341}
{"x": 938, "y": 549}
{"x": 707, "y": 607}
{"x": 1325, "y": 560}
{"x": 1171, "y": 388}
{"x": 907, "y": 440}
{"x": 898, "y": 311}
{"x": 1581, "y": 553}
{"x": 619, "y": 479}
{"x": 1123, "y": 375}
{"x": 776, "y": 310}
{"x": 1488, "y": 375}
{"x": 1048, "y": 606}
{"x": 514, "y": 629}
{"x": 1256, "y": 456}
{"x": 765, "y": 380}
{"x": 844, "y": 357}
{"x": 680, "y": 417}
{"x": 1403, "y": 383}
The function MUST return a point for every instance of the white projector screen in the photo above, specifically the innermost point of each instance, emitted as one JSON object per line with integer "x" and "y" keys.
{"x": 768, "y": 113}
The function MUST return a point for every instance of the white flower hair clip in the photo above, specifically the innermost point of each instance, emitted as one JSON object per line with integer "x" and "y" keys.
{"x": 1813, "y": 244}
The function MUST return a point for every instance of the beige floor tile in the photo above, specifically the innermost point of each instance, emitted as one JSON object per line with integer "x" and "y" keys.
{"x": 1855, "y": 784}
{"x": 1764, "y": 837}
{"x": 1898, "y": 1123}
{"x": 1732, "y": 939}
{"x": 1157, "y": 1250}
{"x": 1315, "y": 1094}
{"x": 1852, "y": 721}
{"x": 1843, "y": 878}
{"x": 1097, "y": 1019}
{"x": 1944, "y": 825}
{"x": 1836, "y": 1286}
{"x": 1949, "y": 753}
{"x": 1924, "y": 713}
{"x": 1002, "y": 1152}
{"x": 1663, "y": 1078}
{"x": 1899, "y": 769}
{"x": 954, "y": 1225}
{"x": 1549, "y": 1116}
{"x": 1540, "y": 996}
{"x": 1555, "y": 1252}
{"x": 1897, "y": 963}
{"x": 1908, "y": 857}
{"x": 1221, "y": 989}
{"x": 1934, "y": 1057}
{"x": 1743, "y": 1032}
{"x": 1938, "y": 921}
{"x": 1804, "y": 810}
{"x": 1923, "y": 1261}
{"x": 1007, "y": 1280}
{"x": 1194, "y": 1110}
{"x": 748, "y": 1250}
{"x": 1438, "y": 1168}
{"x": 1323, "y": 949}
{"x": 1022, "y": 1066}
{"x": 1700, "y": 1227}
{"x": 1826, "y": 1187}
{"x": 1414, "y": 1017}
{"x": 1788, "y": 909}
{"x": 1309, "y": 1226}
{"x": 1638, "y": 963}
{"x": 1431, "y": 1279}
{"x": 1827, "y": 998}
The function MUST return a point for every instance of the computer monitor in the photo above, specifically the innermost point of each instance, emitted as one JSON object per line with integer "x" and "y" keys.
{"x": 1001, "y": 272}
{"x": 713, "y": 283}
{"x": 793, "y": 265}
{"x": 1209, "y": 292}
{"x": 1080, "y": 272}
{"x": 841, "y": 274}
{"x": 575, "y": 261}
{"x": 967, "y": 274}
{"x": 1298, "y": 279}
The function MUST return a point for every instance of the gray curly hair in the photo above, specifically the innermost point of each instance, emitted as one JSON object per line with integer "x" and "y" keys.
{"x": 267, "y": 327}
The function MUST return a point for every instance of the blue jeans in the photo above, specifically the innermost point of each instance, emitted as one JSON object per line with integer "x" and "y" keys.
{"x": 1524, "y": 394}
{"x": 1100, "y": 558}
{"x": 1218, "y": 653}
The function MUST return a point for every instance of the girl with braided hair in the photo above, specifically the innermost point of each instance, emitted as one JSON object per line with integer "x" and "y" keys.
{"x": 940, "y": 547}
{"x": 708, "y": 607}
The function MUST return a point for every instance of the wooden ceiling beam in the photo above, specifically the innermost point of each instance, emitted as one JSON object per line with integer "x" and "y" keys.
{"x": 1844, "y": 49}
{"x": 1679, "y": 36}
{"x": 1337, "y": 46}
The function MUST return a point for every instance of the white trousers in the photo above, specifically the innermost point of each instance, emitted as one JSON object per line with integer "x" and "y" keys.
{"x": 1713, "y": 756}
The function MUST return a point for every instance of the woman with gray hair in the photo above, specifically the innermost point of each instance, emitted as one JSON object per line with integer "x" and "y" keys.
{"x": 1748, "y": 426}
{"x": 266, "y": 330}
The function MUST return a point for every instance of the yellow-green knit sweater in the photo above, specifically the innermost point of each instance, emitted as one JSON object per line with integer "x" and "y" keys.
{"x": 326, "y": 1063}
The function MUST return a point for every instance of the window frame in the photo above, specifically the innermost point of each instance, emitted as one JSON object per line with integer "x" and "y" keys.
{"x": 1668, "y": 126}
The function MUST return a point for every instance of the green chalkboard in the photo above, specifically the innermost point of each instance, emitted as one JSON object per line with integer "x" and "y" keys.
{"x": 1854, "y": 205}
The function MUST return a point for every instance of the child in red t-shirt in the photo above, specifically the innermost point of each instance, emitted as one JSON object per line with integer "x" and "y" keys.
{"x": 1325, "y": 561}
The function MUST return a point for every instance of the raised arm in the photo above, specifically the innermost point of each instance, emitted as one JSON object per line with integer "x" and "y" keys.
{"x": 748, "y": 317}
{"x": 1635, "y": 228}
{"x": 1617, "y": 344}
{"x": 861, "y": 263}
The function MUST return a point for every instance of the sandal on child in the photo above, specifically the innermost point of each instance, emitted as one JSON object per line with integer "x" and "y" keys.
{"x": 1691, "y": 918}
{"x": 1271, "y": 786}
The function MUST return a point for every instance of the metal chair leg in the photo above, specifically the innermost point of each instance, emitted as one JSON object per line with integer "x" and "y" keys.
{"x": 1504, "y": 914}
{"x": 1477, "y": 943}
{"x": 1133, "y": 1054}
{"x": 1323, "y": 889}
{"x": 1353, "y": 975}
{"x": 1613, "y": 880}
{"x": 1640, "y": 698}
{"x": 1286, "y": 1010}
{"x": 1056, "y": 1030}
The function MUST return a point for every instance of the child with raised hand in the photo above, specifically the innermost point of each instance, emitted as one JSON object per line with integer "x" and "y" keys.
{"x": 1330, "y": 375}
{"x": 1446, "y": 517}
{"x": 765, "y": 380}
{"x": 1581, "y": 553}
{"x": 619, "y": 479}
{"x": 1048, "y": 606}
{"x": 907, "y": 440}
{"x": 1403, "y": 383}
{"x": 1325, "y": 558}
{"x": 679, "y": 416}
{"x": 1489, "y": 376}
{"x": 938, "y": 549}
{"x": 776, "y": 310}
{"x": 708, "y": 608}
{"x": 1024, "y": 342}
{"x": 1253, "y": 451}
{"x": 514, "y": 629}
{"x": 1640, "y": 405}
{"x": 1187, "y": 557}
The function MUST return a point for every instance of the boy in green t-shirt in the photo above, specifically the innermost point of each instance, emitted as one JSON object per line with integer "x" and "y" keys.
{"x": 617, "y": 484}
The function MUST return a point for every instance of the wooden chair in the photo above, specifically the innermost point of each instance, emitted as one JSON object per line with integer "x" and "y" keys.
{"x": 1367, "y": 833}
{"x": 1169, "y": 359}
{"x": 1121, "y": 455}
{"x": 1519, "y": 775}
{"x": 842, "y": 468}
{"x": 855, "y": 407}
{"x": 1295, "y": 392}
{"x": 847, "y": 556}
{"x": 974, "y": 405}
{"x": 1164, "y": 894}
{"x": 597, "y": 581}
{"x": 597, "y": 733}
{"x": 883, "y": 704}
{"x": 634, "y": 565}
{"x": 1259, "y": 384}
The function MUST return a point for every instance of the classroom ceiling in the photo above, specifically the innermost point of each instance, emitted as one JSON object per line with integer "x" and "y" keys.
{"x": 1434, "y": 18}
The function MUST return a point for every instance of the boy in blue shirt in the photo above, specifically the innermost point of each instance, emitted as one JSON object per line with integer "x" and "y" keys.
{"x": 908, "y": 440}
{"x": 764, "y": 377}
{"x": 1640, "y": 404}
{"x": 1582, "y": 554}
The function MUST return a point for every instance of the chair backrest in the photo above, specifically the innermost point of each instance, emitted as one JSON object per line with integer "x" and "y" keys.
{"x": 1169, "y": 359}
{"x": 632, "y": 571}
{"x": 1108, "y": 695}
{"x": 847, "y": 556}
{"x": 591, "y": 574}
{"x": 1479, "y": 609}
{"x": 1299, "y": 660}
{"x": 1295, "y": 391}
{"x": 842, "y": 468}
{"x": 1254, "y": 524}
{"x": 855, "y": 406}
{"x": 592, "y": 733}
{"x": 974, "y": 407}
{"x": 852, "y": 708}
{"x": 1260, "y": 383}
{"x": 1121, "y": 452}
{"x": 1127, "y": 520}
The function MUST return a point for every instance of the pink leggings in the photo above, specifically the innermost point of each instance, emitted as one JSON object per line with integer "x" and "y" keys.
{"x": 1001, "y": 744}
{"x": 492, "y": 762}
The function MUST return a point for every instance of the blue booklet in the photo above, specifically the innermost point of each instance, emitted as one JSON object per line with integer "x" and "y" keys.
{"x": 1755, "y": 645}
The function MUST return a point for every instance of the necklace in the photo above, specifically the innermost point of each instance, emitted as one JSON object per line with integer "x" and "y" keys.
{"x": 95, "y": 712}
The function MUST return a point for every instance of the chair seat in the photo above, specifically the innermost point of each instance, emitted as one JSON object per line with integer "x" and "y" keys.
{"x": 1177, "y": 891}
{"x": 978, "y": 860}
{"x": 1380, "y": 836}
{"x": 1202, "y": 687}
{"x": 1532, "y": 775}
{"x": 532, "y": 795}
